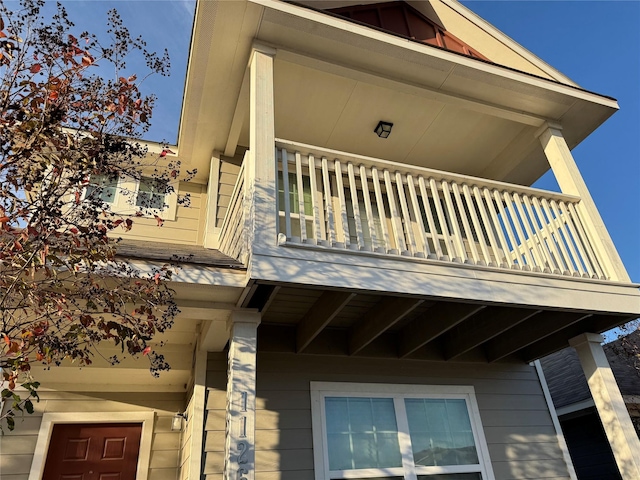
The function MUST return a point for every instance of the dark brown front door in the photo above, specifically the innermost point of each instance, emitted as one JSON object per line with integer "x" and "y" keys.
{"x": 107, "y": 451}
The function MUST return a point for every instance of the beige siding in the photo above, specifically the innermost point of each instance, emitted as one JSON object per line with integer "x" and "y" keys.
{"x": 17, "y": 447}
{"x": 227, "y": 180}
{"x": 185, "y": 229}
{"x": 520, "y": 435}
{"x": 185, "y": 442}
{"x": 491, "y": 47}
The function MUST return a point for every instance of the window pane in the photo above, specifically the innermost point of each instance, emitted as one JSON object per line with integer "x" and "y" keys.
{"x": 451, "y": 476}
{"x": 102, "y": 187}
{"x": 440, "y": 432}
{"x": 361, "y": 433}
{"x": 150, "y": 194}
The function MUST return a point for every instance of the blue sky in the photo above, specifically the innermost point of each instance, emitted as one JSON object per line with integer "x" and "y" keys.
{"x": 595, "y": 43}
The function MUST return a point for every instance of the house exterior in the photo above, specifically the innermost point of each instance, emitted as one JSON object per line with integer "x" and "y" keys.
{"x": 590, "y": 451}
{"x": 355, "y": 306}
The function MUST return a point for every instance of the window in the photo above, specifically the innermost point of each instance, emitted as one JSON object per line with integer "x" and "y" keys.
{"x": 103, "y": 187}
{"x": 126, "y": 196}
{"x": 151, "y": 193}
{"x": 397, "y": 432}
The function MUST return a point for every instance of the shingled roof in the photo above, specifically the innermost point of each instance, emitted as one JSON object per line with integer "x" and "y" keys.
{"x": 567, "y": 382}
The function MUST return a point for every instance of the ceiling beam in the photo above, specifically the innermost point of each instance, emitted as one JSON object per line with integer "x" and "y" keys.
{"x": 326, "y": 307}
{"x": 480, "y": 328}
{"x": 525, "y": 334}
{"x": 380, "y": 318}
{"x": 434, "y": 322}
{"x": 560, "y": 340}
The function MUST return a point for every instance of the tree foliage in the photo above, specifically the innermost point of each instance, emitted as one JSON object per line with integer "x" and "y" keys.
{"x": 63, "y": 125}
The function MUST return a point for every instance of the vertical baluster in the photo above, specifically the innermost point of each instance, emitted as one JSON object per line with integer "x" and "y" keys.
{"x": 381, "y": 209}
{"x": 364, "y": 181}
{"x": 581, "y": 241}
{"x": 457, "y": 234}
{"x": 465, "y": 223}
{"x": 285, "y": 186}
{"x": 546, "y": 234}
{"x": 515, "y": 246}
{"x": 542, "y": 246}
{"x": 454, "y": 255}
{"x": 344, "y": 219}
{"x": 418, "y": 215}
{"x": 476, "y": 224}
{"x": 317, "y": 235}
{"x": 432, "y": 225}
{"x": 331, "y": 229}
{"x": 499, "y": 229}
{"x": 405, "y": 214}
{"x": 566, "y": 232}
{"x": 598, "y": 267}
{"x": 355, "y": 205}
{"x": 534, "y": 246}
{"x": 302, "y": 218}
{"x": 487, "y": 226}
{"x": 395, "y": 217}
{"x": 564, "y": 259}
{"x": 522, "y": 240}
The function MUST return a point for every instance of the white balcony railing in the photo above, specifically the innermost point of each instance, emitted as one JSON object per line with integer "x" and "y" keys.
{"x": 342, "y": 201}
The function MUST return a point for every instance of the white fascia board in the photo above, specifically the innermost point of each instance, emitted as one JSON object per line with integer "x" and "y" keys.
{"x": 457, "y": 61}
{"x": 507, "y": 41}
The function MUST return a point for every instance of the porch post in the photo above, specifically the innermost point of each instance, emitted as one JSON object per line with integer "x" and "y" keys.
{"x": 261, "y": 176}
{"x": 239, "y": 461}
{"x": 571, "y": 182}
{"x": 609, "y": 404}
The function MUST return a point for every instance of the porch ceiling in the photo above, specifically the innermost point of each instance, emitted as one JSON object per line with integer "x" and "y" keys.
{"x": 353, "y": 323}
{"x": 432, "y": 96}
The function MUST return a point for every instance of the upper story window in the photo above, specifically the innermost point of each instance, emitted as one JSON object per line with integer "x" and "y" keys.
{"x": 128, "y": 196}
{"x": 402, "y": 19}
{"x": 151, "y": 194}
{"x": 104, "y": 187}
{"x": 398, "y": 432}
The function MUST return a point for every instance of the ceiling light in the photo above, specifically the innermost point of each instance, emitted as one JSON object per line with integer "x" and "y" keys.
{"x": 383, "y": 129}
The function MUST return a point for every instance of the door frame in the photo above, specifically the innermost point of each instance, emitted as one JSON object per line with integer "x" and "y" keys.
{"x": 50, "y": 419}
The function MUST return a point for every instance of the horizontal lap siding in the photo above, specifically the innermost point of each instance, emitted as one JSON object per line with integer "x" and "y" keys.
{"x": 185, "y": 229}
{"x": 226, "y": 182}
{"x": 520, "y": 435}
{"x": 17, "y": 447}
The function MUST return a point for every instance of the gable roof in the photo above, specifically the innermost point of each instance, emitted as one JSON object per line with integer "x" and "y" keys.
{"x": 402, "y": 19}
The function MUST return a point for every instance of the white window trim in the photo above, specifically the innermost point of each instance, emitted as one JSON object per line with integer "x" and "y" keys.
{"x": 320, "y": 390}
{"x": 126, "y": 204}
{"x": 50, "y": 419}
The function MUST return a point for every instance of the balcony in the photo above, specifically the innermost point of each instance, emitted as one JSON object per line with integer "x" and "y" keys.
{"x": 340, "y": 202}
{"x": 335, "y": 200}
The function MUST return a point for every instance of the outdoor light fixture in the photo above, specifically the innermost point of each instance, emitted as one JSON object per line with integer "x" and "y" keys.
{"x": 383, "y": 129}
{"x": 176, "y": 421}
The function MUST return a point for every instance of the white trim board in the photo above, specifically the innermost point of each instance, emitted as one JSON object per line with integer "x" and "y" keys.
{"x": 50, "y": 419}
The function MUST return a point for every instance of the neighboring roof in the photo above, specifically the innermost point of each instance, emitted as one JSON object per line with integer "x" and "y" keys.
{"x": 565, "y": 378}
{"x": 183, "y": 254}
{"x": 568, "y": 384}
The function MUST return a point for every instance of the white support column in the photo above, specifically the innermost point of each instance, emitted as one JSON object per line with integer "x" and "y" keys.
{"x": 241, "y": 396}
{"x": 609, "y": 404}
{"x": 571, "y": 182}
{"x": 261, "y": 185}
